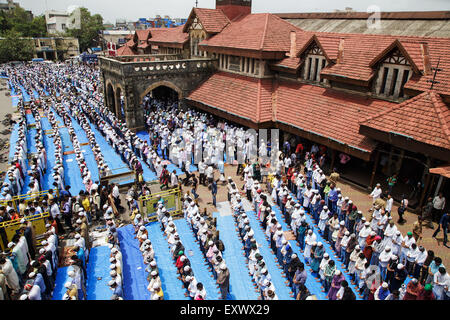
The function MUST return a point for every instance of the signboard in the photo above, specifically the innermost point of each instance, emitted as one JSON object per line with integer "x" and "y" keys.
{"x": 120, "y": 179}
{"x": 9, "y": 228}
{"x": 172, "y": 201}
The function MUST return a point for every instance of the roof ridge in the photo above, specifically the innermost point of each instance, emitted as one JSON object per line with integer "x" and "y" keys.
{"x": 438, "y": 104}
{"x": 261, "y": 46}
{"x": 392, "y": 108}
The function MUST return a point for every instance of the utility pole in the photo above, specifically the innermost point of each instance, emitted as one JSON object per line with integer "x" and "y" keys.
{"x": 196, "y": 3}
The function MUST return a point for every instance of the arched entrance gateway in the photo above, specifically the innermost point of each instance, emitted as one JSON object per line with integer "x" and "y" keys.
{"x": 110, "y": 98}
{"x": 163, "y": 91}
{"x": 120, "y": 104}
{"x": 169, "y": 79}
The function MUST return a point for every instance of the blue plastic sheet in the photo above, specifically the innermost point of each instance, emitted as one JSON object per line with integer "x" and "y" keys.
{"x": 133, "y": 270}
{"x": 98, "y": 274}
{"x": 198, "y": 261}
{"x": 241, "y": 285}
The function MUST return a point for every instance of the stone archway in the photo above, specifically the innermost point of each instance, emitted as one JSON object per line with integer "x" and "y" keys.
{"x": 120, "y": 104}
{"x": 159, "y": 84}
{"x": 110, "y": 97}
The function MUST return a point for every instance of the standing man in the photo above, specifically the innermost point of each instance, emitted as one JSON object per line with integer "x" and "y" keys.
{"x": 438, "y": 206}
{"x": 223, "y": 280}
{"x": 214, "y": 191}
{"x": 443, "y": 222}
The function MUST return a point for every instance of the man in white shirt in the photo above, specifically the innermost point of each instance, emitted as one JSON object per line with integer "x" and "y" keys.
{"x": 438, "y": 206}
{"x": 376, "y": 192}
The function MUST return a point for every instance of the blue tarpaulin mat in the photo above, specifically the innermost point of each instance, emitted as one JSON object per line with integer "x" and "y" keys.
{"x": 171, "y": 286}
{"x": 134, "y": 275}
{"x": 98, "y": 274}
{"x": 282, "y": 290}
{"x": 61, "y": 279}
{"x": 198, "y": 262}
{"x": 241, "y": 285}
{"x": 326, "y": 246}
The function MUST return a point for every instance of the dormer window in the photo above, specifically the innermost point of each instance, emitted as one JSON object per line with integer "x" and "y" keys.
{"x": 315, "y": 61}
{"x": 393, "y": 72}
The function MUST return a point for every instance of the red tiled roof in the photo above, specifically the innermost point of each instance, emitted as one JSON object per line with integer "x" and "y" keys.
{"x": 290, "y": 63}
{"x": 143, "y": 34}
{"x": 125, "y": 51}
{"x": 327, "y": 112}
{"x": 169, "y": 36}
{"x": 261, "y": 32}
{"x": 213, "y": 20}
{"x": 443, "y": 171}
{"x": 246, "y": 97}
{"x": 360, "y": 50}
{"x": 424, "y": 118}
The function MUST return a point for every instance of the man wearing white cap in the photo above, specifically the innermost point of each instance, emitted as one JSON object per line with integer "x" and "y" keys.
{"x": 363, "y": 234}
{"x": 382, "y": 292}
{"x": 76, "y": 279}
{"x": 71, "y": 291}
{"x": 116, "y": 289}
{"x": 157, "y": 293}
{"x": 376, "y": 193}
{"x": 223, "y": 280}
{"x": 12, "y": 279}
{"x": 154, "y": 279}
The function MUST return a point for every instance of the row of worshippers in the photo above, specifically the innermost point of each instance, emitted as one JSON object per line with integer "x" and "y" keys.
{"x": 116, "y": 264}
{"x": 85, "y": 124}
{"x": 79, "y": 155}
{"x": 378, "y": 240}
{"x": 77, "y": 275}
{"x": 293, "y": 268}
{"x": 30, "y": 274}
{"x": 148, "y": 254}
{"x": 256, "y": 264}
{"x": 204, "y": 229}
{"x": 16, "y": 173}
{"x": 195, "y": 289}
{"x": 58, "y": 168}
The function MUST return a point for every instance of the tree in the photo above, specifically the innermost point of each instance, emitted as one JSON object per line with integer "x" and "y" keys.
{"x": 21, "y": 21}
{"x": 15, "y": 48}
{"x": 89, "y": 29}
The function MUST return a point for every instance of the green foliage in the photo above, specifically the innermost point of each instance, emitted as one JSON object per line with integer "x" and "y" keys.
{"x": 89, "y": 29}
{"x": 13, "y": 48}
{"x": 22, "y": 22}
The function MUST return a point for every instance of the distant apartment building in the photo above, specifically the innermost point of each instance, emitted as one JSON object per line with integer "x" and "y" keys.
{"x": 56, "y": 48}
{"x": 61, "y": 21}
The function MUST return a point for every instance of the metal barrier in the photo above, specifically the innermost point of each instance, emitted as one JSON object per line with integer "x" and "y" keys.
{"x": 8, "y": 229}
{"x": 172, "y": 200}
{"x": 28, "y": 197}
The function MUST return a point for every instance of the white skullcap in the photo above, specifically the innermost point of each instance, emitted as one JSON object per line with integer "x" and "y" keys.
{"x": 77, "y": 236}
{"x": 384, "y": 285}
{"x": 23, "y": 297}
{"x": 187, "y": 268}
{"x": 153, "y": 273}
{"x": 400, "y": 266}
{"x": 42, "y": 251}
{"x": 113, "y": 273}
{"x": 71, "y": 274}
{"x": 32, "y": 274}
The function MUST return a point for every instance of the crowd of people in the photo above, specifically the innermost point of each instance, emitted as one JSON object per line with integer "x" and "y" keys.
{"x": 372, "y": 251}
